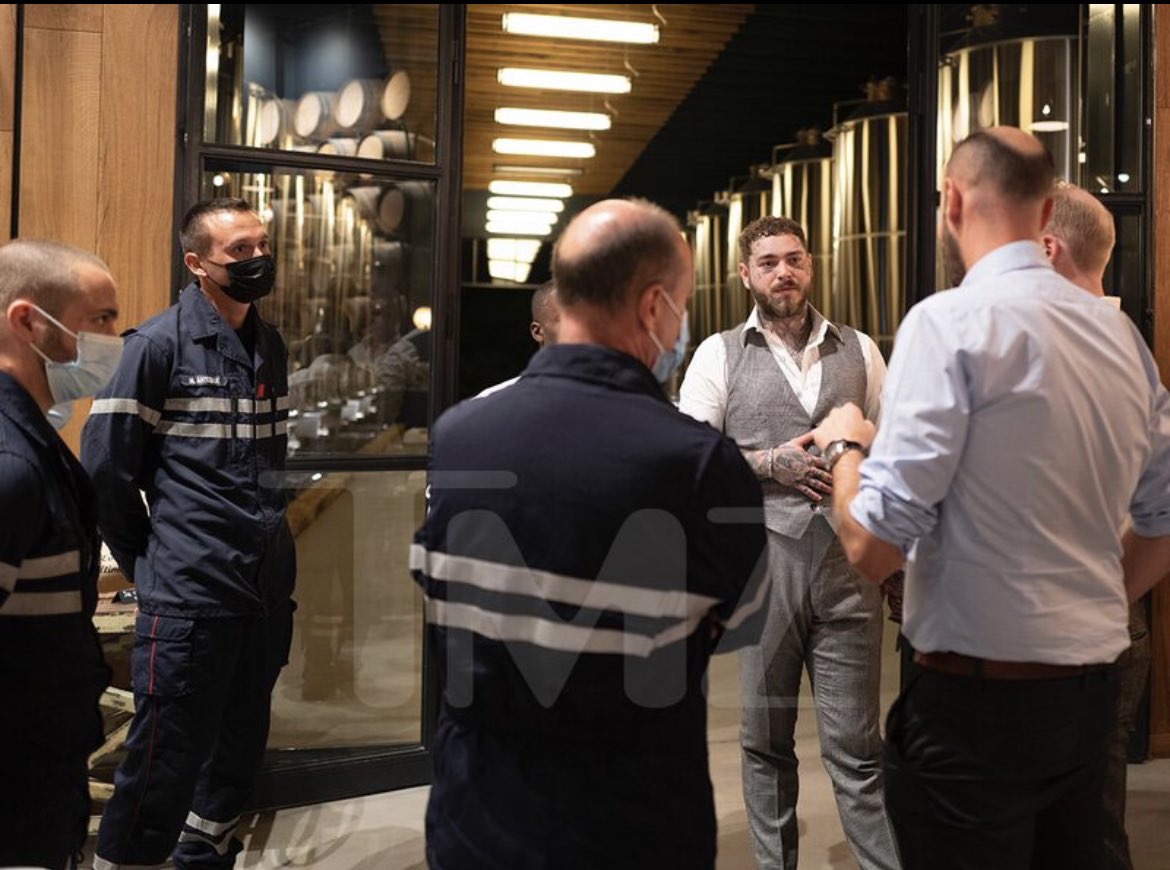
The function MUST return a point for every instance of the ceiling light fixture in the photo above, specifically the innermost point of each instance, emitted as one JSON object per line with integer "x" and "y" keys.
{"x": 522, "y": 218}
{"x": 498, "y": 228}
{"x": 518, "y": 250}
{"x": 551, "y": 118}
{"x": 508, "y": 169}
{"x": 509, "y": 270}
{"x": 566, "y": 27}
{"x": 525, "y": 203}
{"x": 504, "y": 187}
{"x": 544, "y": 147}
{"x": 563, "y": 80}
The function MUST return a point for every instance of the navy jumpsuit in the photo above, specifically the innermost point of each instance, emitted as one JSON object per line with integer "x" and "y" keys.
{"x": 196, "y": 427}
{"x": 51, "y": 668}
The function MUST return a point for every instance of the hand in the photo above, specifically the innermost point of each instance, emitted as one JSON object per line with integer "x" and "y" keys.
{"x": 844, "y": 422}
{"x": 792, "y": 465}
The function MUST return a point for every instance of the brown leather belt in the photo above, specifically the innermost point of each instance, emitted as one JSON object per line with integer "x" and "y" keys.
{"x": 970, "y": 666}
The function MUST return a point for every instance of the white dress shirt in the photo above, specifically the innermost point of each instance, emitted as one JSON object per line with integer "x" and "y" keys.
{"x": 1024, "y": 417}
{"x": 703, "y": 394}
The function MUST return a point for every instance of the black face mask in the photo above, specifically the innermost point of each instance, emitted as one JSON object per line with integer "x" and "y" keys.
{"x": 251, "y": 279}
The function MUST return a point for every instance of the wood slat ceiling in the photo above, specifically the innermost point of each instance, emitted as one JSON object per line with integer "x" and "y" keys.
{"x": 691, "y": 37}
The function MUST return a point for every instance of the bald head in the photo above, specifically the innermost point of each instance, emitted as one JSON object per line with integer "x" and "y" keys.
{"x": 48, "y": 274}
{"x": 613, "y": 249}
{"x": 1003, "y": 164}
{"x": 1084, "y": 227}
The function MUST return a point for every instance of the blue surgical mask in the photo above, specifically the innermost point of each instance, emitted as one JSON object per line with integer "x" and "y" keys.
{"x": 59, "y": 415}
{"x": 669, "y": 360}
{"x": 97, "y": 358}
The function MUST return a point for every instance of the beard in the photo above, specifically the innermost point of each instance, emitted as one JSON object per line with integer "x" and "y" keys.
{"x": 782, "y": 308}
{"x": 953, "y": 267}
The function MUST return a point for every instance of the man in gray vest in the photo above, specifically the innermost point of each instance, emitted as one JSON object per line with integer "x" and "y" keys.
{"x": 767, "y": 384}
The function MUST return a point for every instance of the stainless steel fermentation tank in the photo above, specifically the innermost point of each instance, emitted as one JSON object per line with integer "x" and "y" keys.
{"x": 869, "y": 216}
{"x": 802, "y": 191}
{"x": 707, "y": 233}
{"x": 749, "y": 198}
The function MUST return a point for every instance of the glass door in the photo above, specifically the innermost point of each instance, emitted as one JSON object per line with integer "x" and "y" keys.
{"x": 341, "y": 125}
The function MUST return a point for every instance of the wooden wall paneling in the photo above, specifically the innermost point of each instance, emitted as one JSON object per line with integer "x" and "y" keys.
{"x": 136, "y": 170}
{"x": 1160, "y": 618}
{"x": 64, "y": 16}
{"x": 6, "y": 138}
{"x": 7, "y": 65}
{"x": 60, "y": 111}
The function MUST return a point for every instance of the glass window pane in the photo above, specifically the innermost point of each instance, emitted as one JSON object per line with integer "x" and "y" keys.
{"x": 1124, "y": 277}
{"x": 353, "y": 79}
{"x": 354, "y": 676}
{"x": 354, "y": 264}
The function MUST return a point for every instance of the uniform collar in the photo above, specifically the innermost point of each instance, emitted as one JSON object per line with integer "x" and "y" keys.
{"x": 17, "y": 405}
{"x": 204, "y": 321}
{"x": 593, "y": 363}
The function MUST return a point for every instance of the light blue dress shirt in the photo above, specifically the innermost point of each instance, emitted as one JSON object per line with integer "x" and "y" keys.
{"x": 1023, "y": 418}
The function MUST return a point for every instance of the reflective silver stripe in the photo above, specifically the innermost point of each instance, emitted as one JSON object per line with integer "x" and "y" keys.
{"x": 50, "y": 566}
{"x": 126, "y": 406}
{"x": 554, "y": 634}
{"x": 209, "y": 827}
{"x": 594, "y": 594}
{"x": 220, "y": 430}
{"x": 280, "y": 429}
{"x": 8, "y": 574}
{"x": 41, "y": 603}
{"x": 283, "y": 403}
{"x": 197, "y": 405}
{"x": 218, "y": 835}
{"x": 194, "y": 430}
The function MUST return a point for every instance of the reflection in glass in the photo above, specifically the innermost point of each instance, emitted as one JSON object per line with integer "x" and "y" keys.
{"x": 350, "y": 79}
{"x": 1113, "y": 100}
{"x": 353, "y": 263}
{"x": 354, "y": 673}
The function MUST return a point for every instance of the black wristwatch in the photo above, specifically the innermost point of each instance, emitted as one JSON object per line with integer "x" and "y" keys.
{"x": 839, "y": 448}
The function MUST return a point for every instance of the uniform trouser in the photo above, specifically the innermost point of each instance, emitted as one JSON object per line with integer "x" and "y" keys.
{"x": 202, "y": 690}
{"x": 1002, "y": 774}
{"x": 1132, "y": 669}
{"x": 823, "y": 618}
{"x": 44, "y": 775}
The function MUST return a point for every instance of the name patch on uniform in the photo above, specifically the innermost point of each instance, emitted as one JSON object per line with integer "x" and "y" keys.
{"x": 203, "y": 380}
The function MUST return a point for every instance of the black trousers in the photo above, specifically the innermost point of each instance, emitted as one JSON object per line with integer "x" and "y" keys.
{"x": 999, "y": 774}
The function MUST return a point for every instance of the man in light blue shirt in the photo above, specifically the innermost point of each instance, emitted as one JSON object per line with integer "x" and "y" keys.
{"x": 1013, "y": 441}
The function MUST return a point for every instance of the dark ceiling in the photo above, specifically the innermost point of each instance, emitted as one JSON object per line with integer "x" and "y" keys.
{"x": 781, "y": 72}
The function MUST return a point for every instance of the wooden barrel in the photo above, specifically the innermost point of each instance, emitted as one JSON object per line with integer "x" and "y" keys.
{"x": 344, "y": 147}
{"x": 387, "y": 145}
{"x": 395, "y": 96}
{"x": 358, "y": 106}
{"x": 313, "y": 118}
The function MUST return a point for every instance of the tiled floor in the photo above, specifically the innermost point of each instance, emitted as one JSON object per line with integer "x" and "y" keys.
{"x": 386, "y": 831}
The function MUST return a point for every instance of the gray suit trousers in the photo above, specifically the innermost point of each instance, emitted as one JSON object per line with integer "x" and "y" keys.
{"x": 826, "y": 619}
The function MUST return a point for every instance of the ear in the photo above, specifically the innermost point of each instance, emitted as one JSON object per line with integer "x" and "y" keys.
{"x": 1051, "y": 246}
{"x": 952, "y": 205}
{"x": 20, "y": 319}
{"x": 648, "y": 302}
{"x": 537, "y": 333}
{"x": 191, "y": 261}
{"x": 743, "y": 275}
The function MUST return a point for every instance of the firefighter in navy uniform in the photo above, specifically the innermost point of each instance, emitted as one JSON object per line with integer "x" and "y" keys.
{"x": 195, "y": 420}
{"x": 56, "y": 345}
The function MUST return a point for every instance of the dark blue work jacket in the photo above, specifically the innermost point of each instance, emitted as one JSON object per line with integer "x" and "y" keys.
{"x": 200, "y": 428}
{"x": 49, "y": 560}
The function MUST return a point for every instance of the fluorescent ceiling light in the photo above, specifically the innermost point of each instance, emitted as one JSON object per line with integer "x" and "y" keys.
{"x": 500, "y": 228}
{"x": 509, "y": 270}
{"x": 1049, "y": 126}
{"x": 525, "y": 203}
{"x": 504, "y": 187}
{"x": 509, "y": 169}
{"x": 565, "y": 27}
{"x": 552, "y": 118}
{"x": 518, "y": 250}
{"x": 544, "y": 147}
{"x": 523, "y": 218}
{"x": 562, "y": 80}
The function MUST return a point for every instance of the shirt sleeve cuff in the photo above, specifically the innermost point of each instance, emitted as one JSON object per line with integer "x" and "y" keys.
{"x": 880, "y": 517}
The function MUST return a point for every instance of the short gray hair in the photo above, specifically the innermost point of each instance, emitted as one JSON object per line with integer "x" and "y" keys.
{"x": 42, "y": 272}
